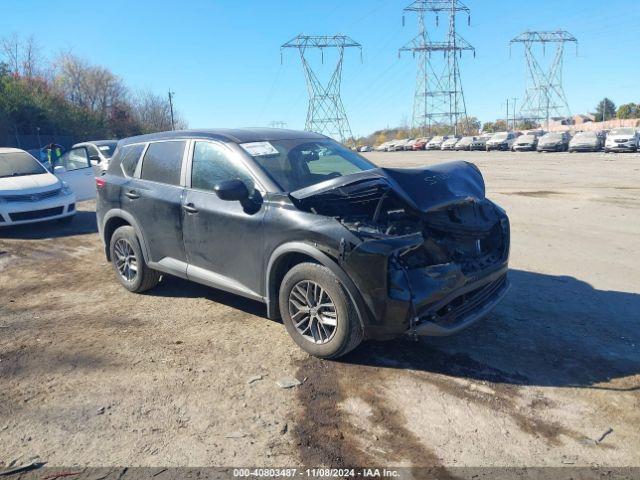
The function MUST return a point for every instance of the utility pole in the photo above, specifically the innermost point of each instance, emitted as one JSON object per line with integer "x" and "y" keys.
{"x": 544, "y": 96}
{"x": 171, "y": 94}
{"x": 326, "y": 113}
{"x": 438, "y": 97}
{"x": 507, "y": 114}
{"x": 514, "y": 112}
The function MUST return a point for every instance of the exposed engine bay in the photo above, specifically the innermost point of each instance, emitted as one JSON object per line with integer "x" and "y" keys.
{"x": 469, "y": 234}
{"x": 465, "y": 229}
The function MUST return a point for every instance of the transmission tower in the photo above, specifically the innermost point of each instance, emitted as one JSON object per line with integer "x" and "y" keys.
{"x": 544, "y": 97}
{"x": 326, "y": 114}
{"x": 439, "y": 98}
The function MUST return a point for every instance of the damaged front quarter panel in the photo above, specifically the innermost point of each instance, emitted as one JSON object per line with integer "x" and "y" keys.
{"x": 433, "y": 251}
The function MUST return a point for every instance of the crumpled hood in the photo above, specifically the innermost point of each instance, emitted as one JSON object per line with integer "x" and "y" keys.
{"x": 422, "y": 189}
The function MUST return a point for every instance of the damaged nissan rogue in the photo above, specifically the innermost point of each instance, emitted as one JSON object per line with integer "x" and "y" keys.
{"x": 339, "y": 249}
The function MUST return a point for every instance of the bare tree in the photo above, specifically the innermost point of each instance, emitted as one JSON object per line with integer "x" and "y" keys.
{"x": 22, "y": 56}
{"x": 153, "y": 112}
{"x": 87, "y": 86}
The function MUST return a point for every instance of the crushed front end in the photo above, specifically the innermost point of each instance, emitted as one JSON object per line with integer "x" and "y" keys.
{"x": 432, "y": 251}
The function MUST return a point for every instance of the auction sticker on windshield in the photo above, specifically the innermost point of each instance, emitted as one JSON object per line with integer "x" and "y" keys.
{"x": 259, "y": 149}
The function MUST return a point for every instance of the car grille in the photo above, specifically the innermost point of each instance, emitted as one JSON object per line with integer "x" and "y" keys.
{"x": 35, "y": 214}
{"x": 617, "y": 140}
{"x": 34, "y": 197}
{"x": 462, "y": 306}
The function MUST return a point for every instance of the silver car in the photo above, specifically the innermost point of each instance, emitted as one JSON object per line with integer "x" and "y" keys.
{"x": 586, "y": 142}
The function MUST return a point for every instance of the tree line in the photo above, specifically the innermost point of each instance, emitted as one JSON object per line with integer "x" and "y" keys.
{"x": 607, "y": 110}
{"x": 68, "y": 96}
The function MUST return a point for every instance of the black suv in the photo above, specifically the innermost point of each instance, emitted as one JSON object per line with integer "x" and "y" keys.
{"x": 339, "y": 249}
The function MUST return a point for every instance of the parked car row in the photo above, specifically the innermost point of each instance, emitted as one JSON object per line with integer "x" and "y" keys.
{"x": 617, "y": 140}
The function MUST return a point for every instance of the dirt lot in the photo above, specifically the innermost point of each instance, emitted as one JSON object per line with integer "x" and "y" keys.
{"x": 186, "y": 375}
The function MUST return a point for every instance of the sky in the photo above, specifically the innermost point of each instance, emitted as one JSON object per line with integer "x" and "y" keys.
{"x": 222, "y": 58}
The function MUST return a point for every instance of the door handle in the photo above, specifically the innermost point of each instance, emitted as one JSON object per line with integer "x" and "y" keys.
{"x": 190, "y": 208}
{"x": 132, "y": 194}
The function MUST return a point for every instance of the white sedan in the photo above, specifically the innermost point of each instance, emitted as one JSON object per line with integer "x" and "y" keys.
{"x": 29, "y": 193}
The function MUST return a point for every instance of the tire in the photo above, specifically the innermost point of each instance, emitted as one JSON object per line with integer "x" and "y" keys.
{"x": 347, "y": 333}
{"x": 144, "y": 278}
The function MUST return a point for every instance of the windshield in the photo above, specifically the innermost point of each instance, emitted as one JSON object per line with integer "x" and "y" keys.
{"x": 19, "y": 164}
{"x": 553, "y": 136}
{"x": 296, "y": 164}
{"x": 622, "y": 131}
{"x": 467, "y": 139}
{"x": 586, "y": 135}
{"x": 107, "y": 149}
{"x": 500, "y": 136}
{"x": 437, "y": 139}
{"x": 527, "y": 138}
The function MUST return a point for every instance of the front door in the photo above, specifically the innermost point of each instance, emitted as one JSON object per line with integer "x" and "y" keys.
{"x": 223, "y": 239}
{"x": 75, "y": 169}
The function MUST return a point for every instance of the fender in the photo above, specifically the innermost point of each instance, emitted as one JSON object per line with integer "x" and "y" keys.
{"x": 322, "y": 258}
{"x": 117, "y": 212}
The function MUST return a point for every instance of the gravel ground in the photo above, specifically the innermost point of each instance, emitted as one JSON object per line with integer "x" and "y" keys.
{"x": 186, "y": 375}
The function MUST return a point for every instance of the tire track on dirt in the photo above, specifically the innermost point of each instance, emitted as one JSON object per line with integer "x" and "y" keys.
{"x": 328, "y": 435}
{"x": 346, "y": 420}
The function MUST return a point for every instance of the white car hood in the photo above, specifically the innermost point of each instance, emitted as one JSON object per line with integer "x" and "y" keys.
{"x": 29, "y": 184}
{"x": 630, "y": 137}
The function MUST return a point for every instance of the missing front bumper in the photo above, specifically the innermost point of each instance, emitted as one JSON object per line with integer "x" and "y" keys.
{"x": 462, "y": 309}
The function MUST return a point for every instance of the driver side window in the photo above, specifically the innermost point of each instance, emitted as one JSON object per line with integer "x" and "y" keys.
{"x": 211, "y": 165}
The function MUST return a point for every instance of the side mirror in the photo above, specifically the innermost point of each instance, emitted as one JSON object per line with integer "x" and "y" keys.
{"x": 59, "y": 169}
{"x": 231, "y": 190}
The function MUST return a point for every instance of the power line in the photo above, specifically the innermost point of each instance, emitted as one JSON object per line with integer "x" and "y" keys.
{"x": 326, "y": 112}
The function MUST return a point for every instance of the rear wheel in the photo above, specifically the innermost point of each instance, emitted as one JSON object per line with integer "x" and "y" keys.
{"x": 127, "y": 259}
{"x": 318, "y": 313}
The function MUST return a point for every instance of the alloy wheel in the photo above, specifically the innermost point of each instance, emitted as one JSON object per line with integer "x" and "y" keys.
{"x": 313, "y": 312}
{"x": 125, "y": 260}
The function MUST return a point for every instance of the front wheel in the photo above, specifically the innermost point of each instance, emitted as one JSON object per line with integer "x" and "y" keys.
{"x": 126, "y": 256}
{"x": 318, "y": 313}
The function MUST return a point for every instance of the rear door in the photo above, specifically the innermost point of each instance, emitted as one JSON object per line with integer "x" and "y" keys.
{"x": 153, "y": 196}
{"x": 223, "y": 239}
{"x": 75, "y": 169}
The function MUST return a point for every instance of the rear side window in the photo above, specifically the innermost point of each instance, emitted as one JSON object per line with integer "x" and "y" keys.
{"x": 129, "y": 158}
{"x": 162, "y": 162}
